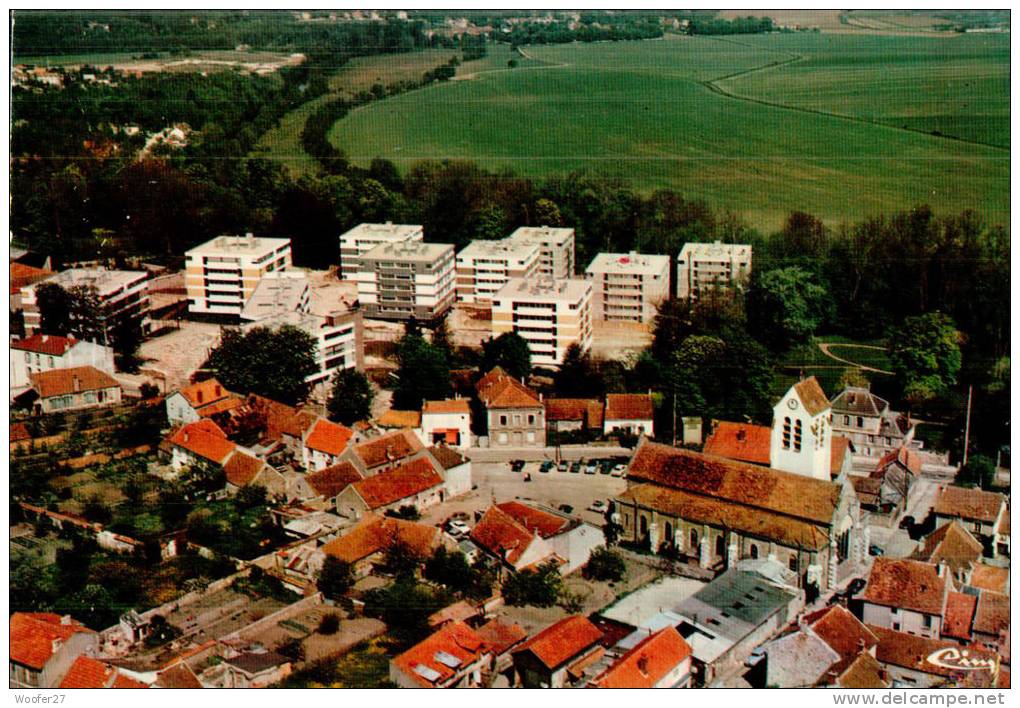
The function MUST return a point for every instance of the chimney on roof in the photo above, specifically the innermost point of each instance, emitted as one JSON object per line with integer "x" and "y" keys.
{"x": 642, "y": 664}
{"x": 77, "y": 383}
{"x": 198, "y": 395}
{"x": 741, "y": 434}
{"x": 66, "y": 620}
{"x": 186, "y": 434}
{"x": 941, "y": 568}
{"x": 219, "y": 390}
{"x": 44, "y": 338}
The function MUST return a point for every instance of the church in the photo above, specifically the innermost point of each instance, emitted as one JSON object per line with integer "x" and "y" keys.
{"x": 717, "y": 511}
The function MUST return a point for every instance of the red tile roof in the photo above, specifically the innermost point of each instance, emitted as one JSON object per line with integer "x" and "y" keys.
{"x": 973, "y": 504}
{"x": 61, "y": 382}
{"x": 498, "y": 390}
{"x": 906, "y": 457}
{"x": 242, "y": 468}
{"x": 373, "y": 534}
{"x": 740, "y": 441}
{"x": 840, "y": 446}
{"x": 629, "y": 406}
{"x": 328, "y": 437}
{"x": 911, "y": 652}
{"x": 87, "y": 672}
{"x": 500, "y": 636}
{"x": 959, "y": 615}
{"x": 388, "y": 448}
{"x": 447, "y": 457}
{"x": 863, "y": 671}
{"x": 205, "y": 439}
{"x": 456, "y": 639}
{"x": 33, "y": 635}
{"x": 763, "y": 488}
{"x": 24, "y": 275}
{"x": 648, "y": 662}
{"x": 906, "y": 584}
{"x": 331, "y": 481}
{"x": 44, "y": 344}
{"x": 460, "y": 611}
{"x": 992, "y": 615}
{"x": 812, "y": 395}
{"x": 179, "y": 675}
{"x": 398, "y": 483}
{"x": 205, "y": 392}
{"x": 562, "y": 642}
{"x": 587, "y": 410}
{"x": 544, "y": 523}
{"x": 19, "y": 432}
{"x": 502, "y": 535}
{"x": 987, "y": 577}
{"x": 450, "y": 405}
{"x": 951, "y": 544}
{"x": 838, "y": 628}
{"x": 399, "y": 419}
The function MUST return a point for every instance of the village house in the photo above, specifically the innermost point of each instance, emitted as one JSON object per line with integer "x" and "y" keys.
{"x": 660, "y": 660}
{"x": 515, "y": 414}
{"x": 906, "y": 596}
{"x": 869, "y": 423}
{"x": 395, "y": 419}
{"x": 447, "y": 423}
{"x": 452, "y": 657}
{"x": 199, "y": 400}
{"x": 720, "y": 511}
{"x": 87, "y": 672}
{"x": 896, "y": 473}
{"x": 456, "y": 470}
{"x": 922, "y": 662}
{"x": 510, "y": 543}
{"x": 327, "y": 483}
{"x": 953, "y": 546}
{"x": 243, "y": 469}
{"x": 323, "y": 444}
{"x": 570, "y": 414}
{"x": 44, "y": 646}
{"x": 255, "y": 667}
{"x": 557, "y": 656}
{"x": 991, "y": 620}
{"x": 23, "y": 275}
{"x": 365, "y": 544}
{"x": 982, "y": 513}
{"x": 631, "y": 413}
{"x": 200, "y": 441}
{"x": 382, "y": 453}
{"x": 416, "y": 483}
{"x": 44, "y": 352}
{"x": 74, "y": 389}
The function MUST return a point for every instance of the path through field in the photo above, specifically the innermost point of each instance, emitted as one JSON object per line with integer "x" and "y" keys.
{"x": 825, "y": 350}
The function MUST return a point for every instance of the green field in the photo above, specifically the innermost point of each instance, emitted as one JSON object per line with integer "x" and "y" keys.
{"x": 650, "y": 112}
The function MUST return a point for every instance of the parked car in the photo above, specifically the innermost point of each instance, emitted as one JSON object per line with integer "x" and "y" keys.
{"x": 566, "y": 508}
{"x": 458, "y": 528}
{"x": 591, "y": 468}
{"x": 575, "y": 468}
{"x": 605, "y": 467}
{"x": 907, "y": 522}
{"x": 546, "y": 466}
{"x": 855, "y": 586}
{"x": 619, "y": 470}
{"x": 598, "y": 506}
{"x": 562, "y": 467}
{"x": 875, "y": 550}
{"x": 517, "y": 465}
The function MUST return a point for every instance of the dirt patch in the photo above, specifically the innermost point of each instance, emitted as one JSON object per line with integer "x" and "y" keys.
{"x": 352, "y": 631}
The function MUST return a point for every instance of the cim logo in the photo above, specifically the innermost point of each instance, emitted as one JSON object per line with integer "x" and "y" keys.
{"x": 961, "y": 660}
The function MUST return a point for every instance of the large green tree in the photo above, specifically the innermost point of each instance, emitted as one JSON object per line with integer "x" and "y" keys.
{"x": 577, "y": 377}
{"x": 54, "y": 305}
{"x": 351, "y": 397}
{"x": 508, "y": 351}
{"x": 925, "y": 355}
{"x": 272, "y": 363}
{"x": 423, "y": 374}
{"x": 785, "y": 306}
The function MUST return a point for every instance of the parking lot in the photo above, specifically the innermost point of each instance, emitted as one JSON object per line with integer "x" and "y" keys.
{"x": 495, "y": 481}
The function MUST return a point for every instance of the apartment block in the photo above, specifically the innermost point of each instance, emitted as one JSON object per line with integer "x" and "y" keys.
{"x": 701, "y": 266}
{"x": 549, "y": 314}
{"x": 411, "y": 278}
{"x": 628, "y": 287}
{"x": 483, "y": 267}
{"x": 221, "y": 274}
{"x": 556, "y": 248}
{"x": 364, "y": 237}
{"x": 122, "y": 294}
{"x": 286, "y": 298}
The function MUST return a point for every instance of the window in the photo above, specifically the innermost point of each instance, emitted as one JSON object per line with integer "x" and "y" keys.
{"x": 860, "y": 422}
{"x": 786, "y": 433}
{"x": 927, "y": 621}
{"x": 502, "y": 420}
{"x": 531, "y": 420}
{"x": 531, "y": 436}
{"x": 754, "y": 550}
{"x": 794, "y": 564}
{"x": 502, "y": 438}
{"x": 846, "y": 420}
{"x": 720, "y": 546}
{"x": 694, "y": 540}
{"x": 797, "y": 431}
{"x": 28, "y": 357}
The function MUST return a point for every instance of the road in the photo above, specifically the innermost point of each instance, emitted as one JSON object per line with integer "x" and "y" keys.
{"x": 566, "y": 452}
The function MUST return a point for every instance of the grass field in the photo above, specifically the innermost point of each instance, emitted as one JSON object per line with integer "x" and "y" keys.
{"x": 647, "y": 112}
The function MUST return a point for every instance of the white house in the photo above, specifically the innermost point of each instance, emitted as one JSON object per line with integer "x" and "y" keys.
{"x": 446, "y": 423}
{"x": 192, "y": 403}
{"x": 629, "y": 412}
{"x": 802, "y": 431}
{"x": 45, "y": 352}
{"x": 456, "y": 470}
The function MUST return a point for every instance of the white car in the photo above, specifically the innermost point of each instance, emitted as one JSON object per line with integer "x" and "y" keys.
{"x": 599, "y": 507}
{"x": 619, "y": 470}
{"x": 458, "y": 528}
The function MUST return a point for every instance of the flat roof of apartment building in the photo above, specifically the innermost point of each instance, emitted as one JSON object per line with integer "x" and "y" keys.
{"x": 502, "y": 249}
{"x": 105, "y": 281}
{"x": 540, "y": 289}
{"x": 545, "y": 234}
{"x": 247, "y": 245}
{"x": 277, "y": 292}
{"x": 629, "y": 264}
{"x": 389, "y": 231}
{"x": 715, "y": 249}
{"x": 408, "y": 251}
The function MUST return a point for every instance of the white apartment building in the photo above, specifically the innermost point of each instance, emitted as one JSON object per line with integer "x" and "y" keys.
{"x": 122, "y": 294}
{"x": 701, "y": 266}
{"x": 628, "y": 286}
{"x": 286, "y": 298}
{"x": 483, "y": 267}
{"x": 221, "y": 274}
{"x": 556, "y": 248}
{"x": 410, "y": 278}
{"x": 43, "y": 352}
{"x": 549, "y": 315}
{"x": 364, "y": 237}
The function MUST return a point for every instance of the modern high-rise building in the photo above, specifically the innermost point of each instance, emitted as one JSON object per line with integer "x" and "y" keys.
{"x": 122, "y": 295}
{"x": 483, "y": 267}
{"x": 556, "y": 248}
{"x": 548, "y": 314}
{"x": 701, "y": 266}
{"x": 411, "y": 278}
{"x": 222, "y": 274}
{"x": 364, "y": 237}
{"x": 628, "y": 286}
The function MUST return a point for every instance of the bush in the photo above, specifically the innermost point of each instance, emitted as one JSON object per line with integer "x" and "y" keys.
{"x": 605, "y": 564}
{"x": 540, "y": 588}
{"x": 335, "y": 578}
{"x": 330, "y": 624}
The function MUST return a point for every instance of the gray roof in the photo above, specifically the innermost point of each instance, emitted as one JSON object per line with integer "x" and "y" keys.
{"x": 252, "y": 662}
{"x": 855, "y": 400}
{"x": 798, "y": 659}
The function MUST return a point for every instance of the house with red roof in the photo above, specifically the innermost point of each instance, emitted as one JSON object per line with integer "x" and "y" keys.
{"x": 43, "y": 647}
{"x": 632, "y": 413}
{"x": 951, "y": 544}
{"x": 383, "y": 452}
{"x": 447, "y": 422}
{"x": 898, "y": 470}
{"x": 87, "y": 672}
{"x": 907, "y": 596}
{"x": 983, "y": 514}
{"x": 568, "y": 414}
{"x": 326, "y": 484}
{"x": 417, "y": 483}
{"x": 365, "y": 543}
{"x": 242, "y": 468}
{"x": 923, "y": 662}
{"x": 515, "y": 415}
{"x": 510, "y": 542}
{"x": 76, "y": 388}
{"x": 199, "y": 400}
{"x": 46, "y": 352}
{"x": 557, "y": 656}
{"x": 454, "y": 656}
{"x": 200, "y": 441}
{"x": 570, "y": 540}
{"x": 323, "y": 444}
{"x": 23, "y": 275}
{"x": 660, "y": 660}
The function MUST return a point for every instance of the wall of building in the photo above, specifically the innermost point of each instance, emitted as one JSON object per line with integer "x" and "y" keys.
{"x": 516, "y": 427}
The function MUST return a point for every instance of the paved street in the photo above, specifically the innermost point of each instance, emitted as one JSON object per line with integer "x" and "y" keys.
{"x": 566, "y": 452}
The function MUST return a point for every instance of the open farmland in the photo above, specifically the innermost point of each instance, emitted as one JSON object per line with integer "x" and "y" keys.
{"x": 651, "y": 113}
